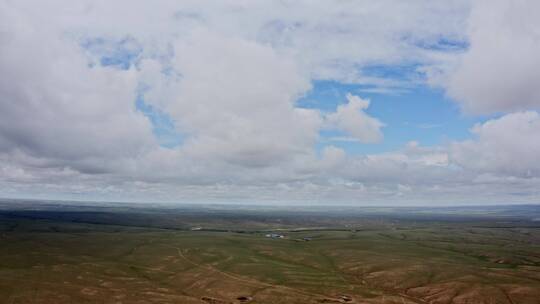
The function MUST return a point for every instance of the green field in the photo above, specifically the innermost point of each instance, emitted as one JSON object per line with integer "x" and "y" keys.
{"x": 48, "y": 258}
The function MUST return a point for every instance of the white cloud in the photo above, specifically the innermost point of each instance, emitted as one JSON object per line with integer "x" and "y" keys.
{"x": 352, "y": 119}
{"x": 500, "y": 70}
{"x": 53, "y": 105}
{"x": 509, "y": 145}
{"x": 238, "y": 101}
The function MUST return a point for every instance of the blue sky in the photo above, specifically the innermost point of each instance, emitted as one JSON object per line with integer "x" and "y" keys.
{"x": 421, "y": 113}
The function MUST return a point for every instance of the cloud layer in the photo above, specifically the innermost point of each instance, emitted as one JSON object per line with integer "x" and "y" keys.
{"x": 87, "y": 97}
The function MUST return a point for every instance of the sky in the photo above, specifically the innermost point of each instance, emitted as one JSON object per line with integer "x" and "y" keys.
{"x": 271, "y": 102}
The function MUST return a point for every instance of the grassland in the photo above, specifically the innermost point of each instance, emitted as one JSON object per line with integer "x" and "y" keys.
{"x": 141, "y": 256}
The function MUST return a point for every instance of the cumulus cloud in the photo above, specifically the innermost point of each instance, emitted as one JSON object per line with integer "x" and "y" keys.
{"x": 500, "y": 70}
{"x": 238, "y": 101}
{"x": 352, "y": 118}
{"x": 507, "y": 146}
{"x": 53, "y": 105}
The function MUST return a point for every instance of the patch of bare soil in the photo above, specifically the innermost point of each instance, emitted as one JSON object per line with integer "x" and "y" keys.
{"x": 211, "y": 300}
{"x": 244, "y": 299}
{"x": 346, "y": 298}
{"x": 522, "y": 294}
{"x": 481, "y": 295}
{"x": 339, "y": 299}
{"x": 325, "y": 300}
{"x": 89, "y": 291}
{"x": 437, "y": 293}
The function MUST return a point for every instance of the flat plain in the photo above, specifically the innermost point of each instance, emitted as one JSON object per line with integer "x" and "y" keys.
{"x": 81, "y": 253}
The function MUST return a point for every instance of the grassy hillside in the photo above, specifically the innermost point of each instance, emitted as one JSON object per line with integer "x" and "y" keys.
{"x": 61, "y": 260}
